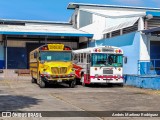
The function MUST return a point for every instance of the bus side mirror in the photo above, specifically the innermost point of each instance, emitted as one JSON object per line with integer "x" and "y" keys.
{"x": 125, "y": 59}
{"x": 35, "y": 55}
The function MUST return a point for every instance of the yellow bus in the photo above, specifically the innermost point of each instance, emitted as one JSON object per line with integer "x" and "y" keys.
{"x": 52, "y": 63}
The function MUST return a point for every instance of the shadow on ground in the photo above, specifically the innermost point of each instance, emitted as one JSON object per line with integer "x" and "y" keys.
{"x": 12, "y": 103}
{"x": 58, "y": 85}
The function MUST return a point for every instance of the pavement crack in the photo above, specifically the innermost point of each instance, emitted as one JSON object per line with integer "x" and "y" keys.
{"x": 79, "y": 108}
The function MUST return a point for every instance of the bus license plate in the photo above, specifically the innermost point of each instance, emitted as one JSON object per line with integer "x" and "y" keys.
{"x": 59, "y": 80}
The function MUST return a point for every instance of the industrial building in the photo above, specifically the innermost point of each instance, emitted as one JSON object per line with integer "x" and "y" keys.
{"x": 135, "y": 29}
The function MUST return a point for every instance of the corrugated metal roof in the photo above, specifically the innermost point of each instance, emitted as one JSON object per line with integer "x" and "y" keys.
{"x": 153, "y": 30}
{"x": 43, "y": 29}
{"x": 76, "y": 5}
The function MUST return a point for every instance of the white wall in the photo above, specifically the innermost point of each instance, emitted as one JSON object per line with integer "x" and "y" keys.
{"x": 96, "y": 27}
{"x": 132, "y": 53}
{"x": 144, "y": 47}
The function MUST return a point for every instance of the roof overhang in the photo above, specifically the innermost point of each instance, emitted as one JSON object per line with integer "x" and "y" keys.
{"x": 76, "y": 5}
{"x": 47, "y": 34}
{"x": 43, "y": 30}
{"x": 153, "y": 31}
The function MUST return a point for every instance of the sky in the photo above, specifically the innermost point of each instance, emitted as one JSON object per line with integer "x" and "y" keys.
{"x": 56, "y": 10}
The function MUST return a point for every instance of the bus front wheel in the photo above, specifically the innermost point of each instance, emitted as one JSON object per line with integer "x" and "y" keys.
{"x": 41, "y": 83}
{"x": 33, "y": 80}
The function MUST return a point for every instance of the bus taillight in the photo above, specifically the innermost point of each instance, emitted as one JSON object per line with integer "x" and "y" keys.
{"x": 118, "y": 51}
{"x": 97, "y": 50}
{"x": 44, "y": 48}
{"x": 67, "y": 48}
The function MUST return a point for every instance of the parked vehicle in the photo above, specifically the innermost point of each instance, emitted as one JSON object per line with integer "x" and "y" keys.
{"x": 99, "y": 65}
{"x": 52, "y": 63}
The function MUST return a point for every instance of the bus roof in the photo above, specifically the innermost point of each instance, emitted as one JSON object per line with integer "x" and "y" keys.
{"x": 92, "y": 49}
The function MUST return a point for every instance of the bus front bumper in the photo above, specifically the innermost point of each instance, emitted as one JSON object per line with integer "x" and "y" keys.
{"x": 58, "y": 79}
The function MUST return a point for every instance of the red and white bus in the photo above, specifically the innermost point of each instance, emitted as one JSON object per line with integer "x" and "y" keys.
{"x": 99, "y": 65}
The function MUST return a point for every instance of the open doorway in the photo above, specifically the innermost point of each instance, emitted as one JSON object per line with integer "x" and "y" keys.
{"x": 155, "y": 56}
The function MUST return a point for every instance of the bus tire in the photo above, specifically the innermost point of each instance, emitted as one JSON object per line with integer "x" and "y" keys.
{"x": 33, "y": 80}
{"x": 41, "y": 83}
{"x": 72, "y": 84}
{"x": 110, "y": 85}
{"x": 121, "y": 84}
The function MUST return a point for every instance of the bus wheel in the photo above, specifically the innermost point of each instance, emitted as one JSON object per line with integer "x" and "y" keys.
{"x": 33, "y": 80}
{"x": 110, "y": 85}
{"x": 72, "y": 84}
{"x": 41, "y": 83}
{"x": 121, "y": 84}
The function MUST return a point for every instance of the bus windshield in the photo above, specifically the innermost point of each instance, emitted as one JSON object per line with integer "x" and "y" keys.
{"x": 55, "y": 56}
{"x": 106, "y": 60}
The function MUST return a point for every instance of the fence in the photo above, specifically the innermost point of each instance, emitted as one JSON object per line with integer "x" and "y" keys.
{"x": 12, "y": 74}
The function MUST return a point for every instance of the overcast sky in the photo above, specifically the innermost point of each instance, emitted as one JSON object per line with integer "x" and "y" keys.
{"x": 56, "y": 10}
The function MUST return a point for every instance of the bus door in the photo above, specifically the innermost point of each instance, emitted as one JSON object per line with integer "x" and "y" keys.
{"x": 88, "y": 65}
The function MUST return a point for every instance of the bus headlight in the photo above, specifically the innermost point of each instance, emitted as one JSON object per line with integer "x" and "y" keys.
{"x": 119, "y": 69}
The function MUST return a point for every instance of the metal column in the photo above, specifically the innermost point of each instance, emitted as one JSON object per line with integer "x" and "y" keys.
{"x": 6, "y": 59}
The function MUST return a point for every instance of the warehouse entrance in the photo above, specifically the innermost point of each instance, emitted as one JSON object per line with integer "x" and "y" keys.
{"x": 18, "y": 49}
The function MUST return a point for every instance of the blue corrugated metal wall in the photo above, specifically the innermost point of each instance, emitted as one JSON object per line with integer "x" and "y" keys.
{"x": 150, "y": 82}
{"x": 2, "y": 62}
{"x": 119, "y": 41}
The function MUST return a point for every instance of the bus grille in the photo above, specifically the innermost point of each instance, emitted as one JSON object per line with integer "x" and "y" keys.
{"x": 107, "y": 71}
{"x": 56, "y": 70}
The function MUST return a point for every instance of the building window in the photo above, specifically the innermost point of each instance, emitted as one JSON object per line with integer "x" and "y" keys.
{"x": 107, "y": 35}
{"x": 116, "y": 33}
{"x": 130, "y": 29}
{"x": 154, "y": 22}
{"x": 121, "y": 31}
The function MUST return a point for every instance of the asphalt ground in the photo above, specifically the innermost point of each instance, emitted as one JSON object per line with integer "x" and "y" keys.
{"x": 22, "y": 95}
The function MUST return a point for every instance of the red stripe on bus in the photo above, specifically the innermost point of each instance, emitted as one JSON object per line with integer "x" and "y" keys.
{"x": 106, "y": 77}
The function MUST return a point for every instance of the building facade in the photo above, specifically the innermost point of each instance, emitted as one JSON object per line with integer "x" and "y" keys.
{"x": 134, "y": 29}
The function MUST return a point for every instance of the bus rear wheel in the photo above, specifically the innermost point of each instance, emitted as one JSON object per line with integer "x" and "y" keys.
{"x": 41, "y": 83}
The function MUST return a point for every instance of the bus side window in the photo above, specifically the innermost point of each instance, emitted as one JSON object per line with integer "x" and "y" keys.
{"x": 88, "y": 58}
{"x": 75, "y": 58}
{"x": 82, "y": 58}
{"x": 79, "y": 57}
{"x": 35, "y": 54}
